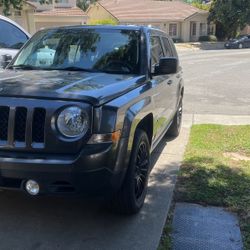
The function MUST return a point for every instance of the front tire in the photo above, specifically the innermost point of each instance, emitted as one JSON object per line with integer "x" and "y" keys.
{"x": 131, "y": 197}
{"x": 175, "y": 127}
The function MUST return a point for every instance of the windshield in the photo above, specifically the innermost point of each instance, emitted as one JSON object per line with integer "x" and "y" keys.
{"x": 111, "y": 51}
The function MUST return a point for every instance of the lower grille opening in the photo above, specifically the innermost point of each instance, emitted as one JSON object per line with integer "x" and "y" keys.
{"x": 62, "y": 187}
{"x": 10, "y": 182}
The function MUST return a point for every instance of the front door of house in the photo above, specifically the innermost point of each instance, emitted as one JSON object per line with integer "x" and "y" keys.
{"x": 193, "y": 31}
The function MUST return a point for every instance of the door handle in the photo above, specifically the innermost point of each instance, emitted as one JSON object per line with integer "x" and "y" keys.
{"x": 170, "y": 82}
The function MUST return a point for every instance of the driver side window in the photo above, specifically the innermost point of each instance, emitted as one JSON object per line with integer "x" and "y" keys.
{"x": 156, "y": 51}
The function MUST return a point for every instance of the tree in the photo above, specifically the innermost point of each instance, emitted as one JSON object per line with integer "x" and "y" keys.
{"x": 7, "y": 4}
{"x": 230, "y": 16}
{"x": 84, "y": 4}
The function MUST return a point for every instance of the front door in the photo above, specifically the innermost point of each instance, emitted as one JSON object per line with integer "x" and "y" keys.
{"x": 193, "y": 31}
{"x": 162, "y": 89}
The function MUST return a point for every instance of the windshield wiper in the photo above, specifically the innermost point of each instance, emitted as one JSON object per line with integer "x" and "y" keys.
{"x": 23, "y": 66}
{"x": 74, "y": 68}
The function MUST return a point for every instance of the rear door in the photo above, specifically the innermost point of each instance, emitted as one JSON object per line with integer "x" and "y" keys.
{"x": 160, "y": 83}
{"x": 11, "y": 39}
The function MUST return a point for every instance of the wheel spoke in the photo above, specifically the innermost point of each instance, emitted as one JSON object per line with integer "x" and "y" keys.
{"x": 141, "y": 169}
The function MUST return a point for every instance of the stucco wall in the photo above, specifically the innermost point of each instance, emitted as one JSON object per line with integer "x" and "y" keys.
{"x": 97, "y": 12}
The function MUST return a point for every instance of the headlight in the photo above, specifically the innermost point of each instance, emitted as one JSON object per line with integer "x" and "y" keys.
{"x": 73, "y": 122}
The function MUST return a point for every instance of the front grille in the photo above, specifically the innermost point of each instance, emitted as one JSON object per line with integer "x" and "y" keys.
{"x": 38, "y": 125}
{"x": 21, "y": 126}
{"x": 4, "y": 118}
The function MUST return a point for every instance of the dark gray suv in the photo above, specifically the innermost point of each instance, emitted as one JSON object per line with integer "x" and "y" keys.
{"x": 82, "y": 108}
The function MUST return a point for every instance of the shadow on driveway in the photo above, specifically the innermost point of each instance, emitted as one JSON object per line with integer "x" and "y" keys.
{"x": 72, "y": 223}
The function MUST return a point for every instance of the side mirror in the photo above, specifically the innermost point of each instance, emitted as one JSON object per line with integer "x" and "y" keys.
{"x": 6, "y": 59}
{"x": 167, "y": 65}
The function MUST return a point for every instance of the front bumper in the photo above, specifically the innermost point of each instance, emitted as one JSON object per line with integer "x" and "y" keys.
{"x": 96, "y": 170}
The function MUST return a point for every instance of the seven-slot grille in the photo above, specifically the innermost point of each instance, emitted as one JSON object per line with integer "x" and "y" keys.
{"x": 21, "y": 126}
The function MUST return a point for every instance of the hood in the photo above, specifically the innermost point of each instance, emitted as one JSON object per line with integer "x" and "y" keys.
{"x": 95, "y": 88}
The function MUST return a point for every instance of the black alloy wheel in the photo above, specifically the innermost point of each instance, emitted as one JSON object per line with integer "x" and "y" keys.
{"x": 131, "y": 196}
{"x": 175, "y": 128}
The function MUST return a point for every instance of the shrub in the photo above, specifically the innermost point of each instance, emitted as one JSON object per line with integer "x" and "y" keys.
{"x": 209, "y": 38}
{"x": 177, "y": 40}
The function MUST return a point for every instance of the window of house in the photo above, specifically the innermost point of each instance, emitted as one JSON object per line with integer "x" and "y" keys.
{"x": 193, "y": 29}
{"x": 203, "y": 30}
{"x": 173, "y": 29}
{"x": 156, "y": 51}
{"x": 18, "y": 13}
{"x": 62, "y": 1}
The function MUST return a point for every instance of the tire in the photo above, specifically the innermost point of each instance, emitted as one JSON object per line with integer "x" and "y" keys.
{"x": 240, "y": 46}
{"x": 131, "y": 197}
{"x": 175, "y": 128}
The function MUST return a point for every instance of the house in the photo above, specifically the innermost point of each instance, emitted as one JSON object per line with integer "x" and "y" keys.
{"x": 35, "y": 16}
{"x": 180, "y": 20}
{"x": 246, "y": 30}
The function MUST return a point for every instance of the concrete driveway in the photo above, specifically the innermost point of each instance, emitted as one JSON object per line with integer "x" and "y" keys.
{"x": 217, "y": 82}
{"x": 60, "y": 223}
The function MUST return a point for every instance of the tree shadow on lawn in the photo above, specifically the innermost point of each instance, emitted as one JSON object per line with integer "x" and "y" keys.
{"x": 202, "y": 180}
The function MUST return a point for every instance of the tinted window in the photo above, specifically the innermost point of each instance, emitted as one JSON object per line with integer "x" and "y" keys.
{"x": 111, "y": 51}
{"x": 10, "y": 36}
{"x": 156, "y": 50}
{"x": 168, "y": 51}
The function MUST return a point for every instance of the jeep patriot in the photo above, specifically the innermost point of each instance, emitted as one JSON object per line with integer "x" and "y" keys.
{"x": 82, "y": 108}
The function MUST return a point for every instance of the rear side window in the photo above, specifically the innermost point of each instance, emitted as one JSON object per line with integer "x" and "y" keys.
{"x": 156, "y": 50}
{"x": 10, "y": 36}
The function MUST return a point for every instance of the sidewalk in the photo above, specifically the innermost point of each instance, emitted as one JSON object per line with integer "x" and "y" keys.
{"x": 179, "y": 144}
{"x": 190, "y": 119}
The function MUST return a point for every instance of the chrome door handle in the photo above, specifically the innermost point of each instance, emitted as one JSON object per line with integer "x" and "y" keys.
{"x": 170, "y": 82}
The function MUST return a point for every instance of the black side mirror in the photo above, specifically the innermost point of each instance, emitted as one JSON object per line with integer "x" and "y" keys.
{"x": 167, "y": 65}
{"x": 6, "y": 60}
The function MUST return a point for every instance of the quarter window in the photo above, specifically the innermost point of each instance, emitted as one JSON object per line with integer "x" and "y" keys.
{"x": 10, "y": 36}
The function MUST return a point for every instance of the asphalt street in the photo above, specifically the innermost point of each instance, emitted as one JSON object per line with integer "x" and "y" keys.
{"x": 217, "y": 82}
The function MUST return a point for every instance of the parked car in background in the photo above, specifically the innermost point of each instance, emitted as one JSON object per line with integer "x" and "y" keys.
{"x": 12, "y": 38}
{"x": 239, "y": 42}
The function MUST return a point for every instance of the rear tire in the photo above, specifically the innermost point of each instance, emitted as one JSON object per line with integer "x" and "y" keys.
{"x": 130, "y": 198}
{"x": 175, "y": 128}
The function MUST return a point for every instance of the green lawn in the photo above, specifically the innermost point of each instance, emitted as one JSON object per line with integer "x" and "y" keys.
{"x": 216, "y": 171}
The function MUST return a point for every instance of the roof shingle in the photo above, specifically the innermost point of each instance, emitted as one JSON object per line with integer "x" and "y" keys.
{"x": 75, "y": 11}
{"x": 149, "y": 10}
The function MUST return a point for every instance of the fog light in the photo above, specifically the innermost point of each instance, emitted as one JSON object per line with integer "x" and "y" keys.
{"x": 32, "y": 187}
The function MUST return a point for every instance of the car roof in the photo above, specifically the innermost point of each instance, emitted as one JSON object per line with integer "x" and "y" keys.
{"x": 112, "y": 27}
{"x": 15, "y": 24}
